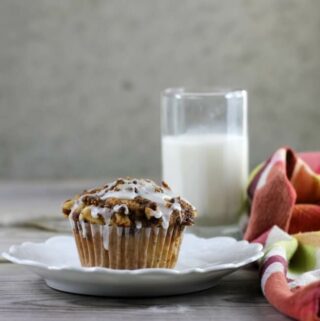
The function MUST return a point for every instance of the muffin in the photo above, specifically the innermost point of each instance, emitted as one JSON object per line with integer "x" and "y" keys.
{"x": 129, "y": 224}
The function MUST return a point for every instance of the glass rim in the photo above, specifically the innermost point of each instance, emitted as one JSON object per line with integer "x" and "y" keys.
{"x": 180, "y": 92}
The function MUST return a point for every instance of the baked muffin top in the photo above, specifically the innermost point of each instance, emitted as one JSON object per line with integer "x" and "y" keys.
{"x": 130, "y": 202}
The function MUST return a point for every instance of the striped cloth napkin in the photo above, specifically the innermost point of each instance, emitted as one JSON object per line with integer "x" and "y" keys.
{"x": 284, "y": 197}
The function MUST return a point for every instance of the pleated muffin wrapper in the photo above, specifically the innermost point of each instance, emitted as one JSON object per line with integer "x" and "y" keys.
{"x": 127, "y": 247}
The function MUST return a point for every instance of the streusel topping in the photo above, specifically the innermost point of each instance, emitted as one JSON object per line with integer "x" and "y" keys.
{"x": 131, "y": 202}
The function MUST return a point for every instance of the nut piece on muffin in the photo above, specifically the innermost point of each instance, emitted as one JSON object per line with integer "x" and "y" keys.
{"x": 129, "y": 224}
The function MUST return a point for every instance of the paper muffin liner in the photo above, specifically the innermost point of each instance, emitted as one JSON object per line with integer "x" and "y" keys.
{"x": 127, "y": 248}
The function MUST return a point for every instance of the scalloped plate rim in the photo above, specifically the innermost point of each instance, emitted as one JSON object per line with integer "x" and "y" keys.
{"x": 216, "y": 267}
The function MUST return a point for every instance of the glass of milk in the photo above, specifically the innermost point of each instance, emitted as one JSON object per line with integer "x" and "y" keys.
{"x": 205, "y": 150}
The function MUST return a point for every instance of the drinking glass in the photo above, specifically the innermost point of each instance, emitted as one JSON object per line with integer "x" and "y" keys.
{"x": 205, "y": 150}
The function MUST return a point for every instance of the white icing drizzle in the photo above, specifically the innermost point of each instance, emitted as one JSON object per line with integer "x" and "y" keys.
{"x": 119, "y": 207}
{"x": 105, "y": 236}
{"x": 96, "y": 211}
{"x": 84, "y": 228}
{"x": 145, "y": 189}
{"x": 165, "y": 224}
{"x": 176, "y": 206}
{"x": 72, "y": 222}
{"x": 157, "y": 213}
{"x": 128, "y": 191}
{"x": 76, "y": 204}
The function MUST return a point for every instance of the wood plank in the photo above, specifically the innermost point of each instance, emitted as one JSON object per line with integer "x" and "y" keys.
{"x": 24, "y": 296}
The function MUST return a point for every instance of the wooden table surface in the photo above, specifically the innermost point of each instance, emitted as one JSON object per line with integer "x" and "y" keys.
{"x": 25, "y": 296}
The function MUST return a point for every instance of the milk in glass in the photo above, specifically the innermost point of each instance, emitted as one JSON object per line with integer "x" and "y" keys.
{"x": 209, "y": 170}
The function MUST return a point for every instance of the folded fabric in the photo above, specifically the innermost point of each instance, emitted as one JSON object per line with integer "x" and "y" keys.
{"x": 290, "y": 273}
{"x": 285, "y": 192}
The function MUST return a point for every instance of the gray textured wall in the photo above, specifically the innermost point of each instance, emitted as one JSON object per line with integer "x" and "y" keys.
{"x": 80, "y": 79}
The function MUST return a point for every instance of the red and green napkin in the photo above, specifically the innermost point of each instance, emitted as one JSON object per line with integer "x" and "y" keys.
{"x": 284, "y": 197}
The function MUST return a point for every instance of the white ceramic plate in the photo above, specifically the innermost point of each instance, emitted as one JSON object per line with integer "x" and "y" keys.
{"x": 202, "y": 263}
